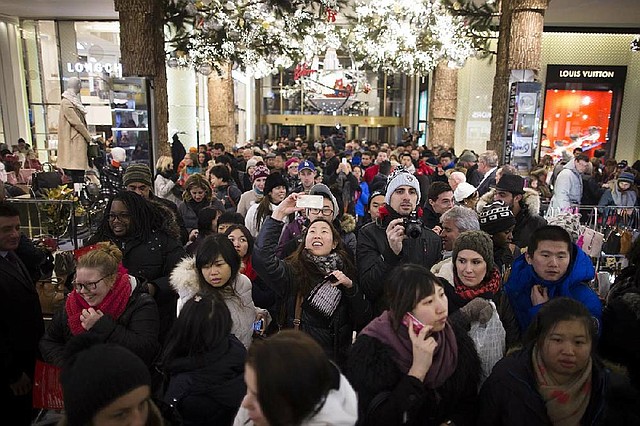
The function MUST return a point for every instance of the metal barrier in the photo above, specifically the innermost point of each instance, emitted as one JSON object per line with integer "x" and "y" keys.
{"x": 36, "y": 221}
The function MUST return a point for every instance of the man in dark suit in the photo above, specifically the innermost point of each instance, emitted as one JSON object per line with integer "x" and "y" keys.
{"x": 21, "y": 324}
{"x": 487, "y": 167}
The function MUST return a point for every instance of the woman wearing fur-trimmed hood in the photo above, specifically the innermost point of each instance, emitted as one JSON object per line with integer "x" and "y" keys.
{"x": 215, "y": 270}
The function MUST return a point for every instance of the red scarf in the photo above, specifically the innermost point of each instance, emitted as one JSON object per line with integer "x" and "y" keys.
{"x": 248, "y": 269}
{"x": 113, "y": 304}
{"x": 491, "y": 284}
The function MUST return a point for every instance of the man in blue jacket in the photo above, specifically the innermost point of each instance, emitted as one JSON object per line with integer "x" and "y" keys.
{"x": 553, "y": 266}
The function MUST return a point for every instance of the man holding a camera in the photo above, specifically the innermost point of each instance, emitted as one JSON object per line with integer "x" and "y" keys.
{"x": 399, "y": 236}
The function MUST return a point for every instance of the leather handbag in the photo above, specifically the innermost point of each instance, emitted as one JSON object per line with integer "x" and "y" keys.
{"x": 592, "y": 241}
{"x": 46, "y": 179}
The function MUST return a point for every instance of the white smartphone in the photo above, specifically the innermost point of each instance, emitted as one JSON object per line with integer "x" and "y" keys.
{"x": 344, "y": 160}
{"x": 310, "y": 202}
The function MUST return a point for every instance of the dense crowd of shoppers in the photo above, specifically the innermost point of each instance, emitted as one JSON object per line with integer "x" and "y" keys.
{"x": 419, "y": 287}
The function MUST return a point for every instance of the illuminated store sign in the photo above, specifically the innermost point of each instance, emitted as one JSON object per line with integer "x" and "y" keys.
{"x": 96, "y": 67}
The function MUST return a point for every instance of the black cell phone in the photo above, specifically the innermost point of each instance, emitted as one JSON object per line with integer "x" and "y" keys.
{"x": 331, "y": 278}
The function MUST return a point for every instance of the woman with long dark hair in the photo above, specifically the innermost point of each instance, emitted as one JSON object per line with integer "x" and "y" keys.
{"x": 317, "y": 283}
{"x": 291, "y": 382}
{"x": 243, "y": 242}
{"x": 216, "y": 270}
{"x": 150, "y": 246}
{"x": 203, "y": 364}
{"x": 413, "y": 365}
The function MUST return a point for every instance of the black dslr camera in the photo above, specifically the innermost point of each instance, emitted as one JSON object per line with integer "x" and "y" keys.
{"x": 412, "y": 225}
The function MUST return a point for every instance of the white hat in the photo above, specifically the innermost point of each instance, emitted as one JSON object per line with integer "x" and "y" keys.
{"x": 463, "y": 190}
{"x": 400, "y": 177}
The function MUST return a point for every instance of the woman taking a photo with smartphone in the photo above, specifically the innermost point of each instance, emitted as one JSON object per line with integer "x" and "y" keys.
{"x": 412, "y": 365}
{"x": 316, "y": 283}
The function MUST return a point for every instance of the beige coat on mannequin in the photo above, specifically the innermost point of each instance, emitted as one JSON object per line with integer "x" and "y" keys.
{"x": 73, "y": 137}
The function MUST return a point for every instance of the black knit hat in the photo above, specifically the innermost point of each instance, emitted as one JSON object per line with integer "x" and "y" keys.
{"x": 137, "y": 173}
{"x": 95, "y": 377}
{"x": 478, "y": 241}
{"x": 496, "y": 217}
{"x": 274, "y": 180}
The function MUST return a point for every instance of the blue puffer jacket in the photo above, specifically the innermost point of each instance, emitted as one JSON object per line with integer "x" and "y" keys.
{"x": 572, "y": 285}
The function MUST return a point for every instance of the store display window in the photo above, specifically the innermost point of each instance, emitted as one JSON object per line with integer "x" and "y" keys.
{"x": 582, "y": 109}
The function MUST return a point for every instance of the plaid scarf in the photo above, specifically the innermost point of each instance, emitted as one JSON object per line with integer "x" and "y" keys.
{"x": 566, "y": 404}
{"x": 490, "y": 285}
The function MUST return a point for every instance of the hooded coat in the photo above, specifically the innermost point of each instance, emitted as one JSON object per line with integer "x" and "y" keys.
{"x": 184, "y": 279}
{"x": 527, "y": 220}
{"x": 573, "y": 284}
{"x": 614, "y": 197}
{"x": 567, "y": 189}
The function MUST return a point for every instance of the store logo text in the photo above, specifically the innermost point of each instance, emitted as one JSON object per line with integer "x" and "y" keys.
{"x": 586, "y": 74}
{"x": 97, "y": 67}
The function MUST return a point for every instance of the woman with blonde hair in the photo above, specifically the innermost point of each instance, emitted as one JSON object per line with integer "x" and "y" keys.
{"x": 196, "y": 196}
{"x": 106, "y": 302}
{"x": 165, "y": 184}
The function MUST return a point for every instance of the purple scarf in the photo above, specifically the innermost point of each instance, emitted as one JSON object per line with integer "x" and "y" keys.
{"x": 445, "y": 358}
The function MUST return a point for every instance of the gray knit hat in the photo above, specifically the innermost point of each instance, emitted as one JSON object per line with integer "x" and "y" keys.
{"x": 496, "y": 217}
{"x": 322, "y": 189}
{"x": 401, "y": 177}
{"x": 478, "y": 241}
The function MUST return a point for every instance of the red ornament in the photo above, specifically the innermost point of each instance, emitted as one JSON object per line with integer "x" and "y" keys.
{"x": 331, "y": 15}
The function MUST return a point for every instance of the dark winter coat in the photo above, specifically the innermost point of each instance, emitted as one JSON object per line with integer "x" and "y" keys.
{"x": 620, "y": 338}
{"x": 430, "y": 218}
{"x": 527, "y": 220}
{"x": 333, "y": 334}
{"x": 376, "y": 259}
{"x": 21, "y": 327}
{"x": 230, "y": 195}
{"x": 207, "y": 389}
{"x": 136, "y": 329}
{"x": 404, "y": 400}
{"x": 510, "y": 397}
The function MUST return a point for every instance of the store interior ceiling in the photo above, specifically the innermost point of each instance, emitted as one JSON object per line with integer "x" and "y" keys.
{"x": 570, "y": 13}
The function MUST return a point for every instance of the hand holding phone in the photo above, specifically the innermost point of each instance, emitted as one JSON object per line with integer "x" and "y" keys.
{"x": 310, "y": 202}
{"x": 258, "y": 326}
{"x": 409, "y": 318}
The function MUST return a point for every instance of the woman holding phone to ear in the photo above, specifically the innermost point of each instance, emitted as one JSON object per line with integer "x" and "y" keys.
{"x": 316, "y": 284}
{"x": 426, "y": 372}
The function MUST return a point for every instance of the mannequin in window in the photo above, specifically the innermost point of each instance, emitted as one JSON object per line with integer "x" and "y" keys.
{"x": 73, "y": 136}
